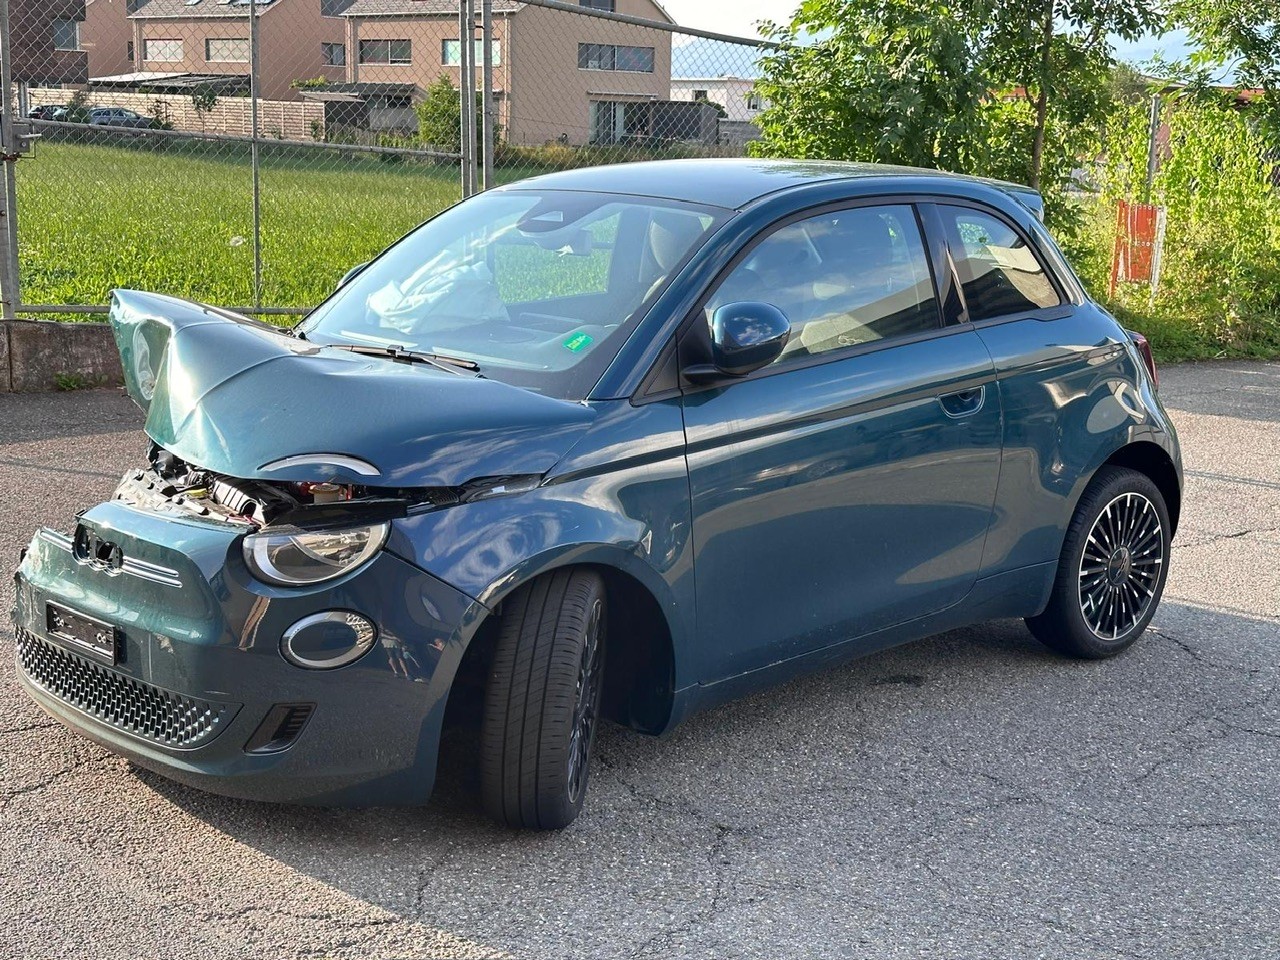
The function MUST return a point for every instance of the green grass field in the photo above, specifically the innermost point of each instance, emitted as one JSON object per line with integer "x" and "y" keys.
{"x": 96, "y": 217}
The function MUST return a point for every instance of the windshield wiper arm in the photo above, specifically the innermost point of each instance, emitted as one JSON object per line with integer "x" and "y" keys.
{"x": 456, "y": 365}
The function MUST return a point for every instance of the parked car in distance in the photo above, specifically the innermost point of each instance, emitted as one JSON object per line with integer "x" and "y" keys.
{"x": 619, "y": 443}
{"x": 47, "y": 111}
{"x": 120, "y": 117}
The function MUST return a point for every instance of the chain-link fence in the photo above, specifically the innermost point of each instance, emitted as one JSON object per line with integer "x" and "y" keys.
{"x": 247, "y": 152}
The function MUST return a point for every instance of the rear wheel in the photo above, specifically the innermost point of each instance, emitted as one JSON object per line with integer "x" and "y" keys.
{"x": 542, "y": 701}
{"x": 1112, "y": 570}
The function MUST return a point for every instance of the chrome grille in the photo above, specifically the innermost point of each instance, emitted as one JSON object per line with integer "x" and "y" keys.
{"x": 141, "y": 709}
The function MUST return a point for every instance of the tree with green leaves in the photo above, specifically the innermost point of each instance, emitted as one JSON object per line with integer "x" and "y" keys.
{"x": 1233, "y": 33}
{"x": 1239, "y": 39}
{"x": 1010, "y": 88}
{"x": 1058, "y": 54}
{"x": 203, "y": 101}
{"x": 892, "y": 81}
{"x": 440, "y": 115}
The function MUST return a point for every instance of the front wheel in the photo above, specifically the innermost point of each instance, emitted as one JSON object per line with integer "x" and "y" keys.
{"x": 1112, "y": 570}
{"x": 542, "y": 701}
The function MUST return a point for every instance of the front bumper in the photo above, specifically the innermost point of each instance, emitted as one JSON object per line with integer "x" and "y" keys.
{"x": 199, "y": 665}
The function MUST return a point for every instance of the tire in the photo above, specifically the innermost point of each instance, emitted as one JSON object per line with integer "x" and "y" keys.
{"x": 1113, "y": 567}
{"x": 542, "y": 701}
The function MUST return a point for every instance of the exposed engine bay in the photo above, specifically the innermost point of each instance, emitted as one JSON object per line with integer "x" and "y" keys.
{"x": 170, "y": 485}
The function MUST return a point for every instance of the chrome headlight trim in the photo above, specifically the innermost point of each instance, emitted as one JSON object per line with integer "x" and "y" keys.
{"x": 261, "y": 553}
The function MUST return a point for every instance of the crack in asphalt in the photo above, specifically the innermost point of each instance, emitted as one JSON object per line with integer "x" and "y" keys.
{"x": 698, "y": 918}
{"x": 1199, "y": 656}
{"x": 28, "y": 727}
{"x": 8, "y": 795}
{"x": 1019, "y": 794}
{"x": 423, "y": 876}
{"x": 715, "y": 856}
{"x": 607, "y": 762}
{"x": 1218, "y": 537}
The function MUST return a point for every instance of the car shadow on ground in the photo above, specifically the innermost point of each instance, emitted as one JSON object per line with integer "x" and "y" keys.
{"x": 903, "y": 756}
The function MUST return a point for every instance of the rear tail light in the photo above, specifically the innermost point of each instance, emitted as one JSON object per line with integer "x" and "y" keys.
{"x": 1144, "y": 349}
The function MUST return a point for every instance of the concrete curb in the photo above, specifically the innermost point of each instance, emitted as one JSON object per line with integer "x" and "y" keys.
{"x": 39, "y": 355}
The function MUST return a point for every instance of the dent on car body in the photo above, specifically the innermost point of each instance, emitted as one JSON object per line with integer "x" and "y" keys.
{"x": 245, "y": 399}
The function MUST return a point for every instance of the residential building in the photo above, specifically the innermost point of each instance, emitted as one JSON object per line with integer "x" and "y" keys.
{"x": 297, "y": 40}
{"x": 44, "y": 37}
{"x": 106, "y": 36}
{"x": 735, "y": 94}
{"x": 558, "y": 76}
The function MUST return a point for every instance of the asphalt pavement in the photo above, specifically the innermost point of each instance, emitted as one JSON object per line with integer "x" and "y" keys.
{"x": 969, "y": 796}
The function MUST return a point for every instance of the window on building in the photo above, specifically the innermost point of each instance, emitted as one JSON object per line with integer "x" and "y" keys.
{"x": 451, "y": 52}
{"x": 128, "y": 50}
{"x": 754, "y": 102}
{"x": 609, "y": 5}
{"x": 226, "y": 49}
{"x": 394, "y": 52}
{"x": 608, "y": 56}
{"x": 66, "y": 35}
{"x": 701, "y": 95}
{"x": 162, "y": 51}
{"x": 393, "y": 101}
{"x": 613, "y": 121}
{"x": 843, "y": 279}
{"x": 333, "y": 54}
{"x": 998, "y": 271}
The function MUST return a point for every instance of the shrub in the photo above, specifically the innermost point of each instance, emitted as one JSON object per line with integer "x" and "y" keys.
{"x": 1220, "y": 276}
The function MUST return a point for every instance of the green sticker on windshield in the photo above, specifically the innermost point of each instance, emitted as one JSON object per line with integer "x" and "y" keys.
{"x": 578, "y": 342}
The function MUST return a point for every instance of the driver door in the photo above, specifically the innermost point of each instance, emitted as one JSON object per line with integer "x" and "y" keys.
{"x": 848, "y": 486}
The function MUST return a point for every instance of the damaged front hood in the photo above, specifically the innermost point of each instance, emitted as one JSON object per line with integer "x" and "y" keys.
{"x": 242, "y": 398}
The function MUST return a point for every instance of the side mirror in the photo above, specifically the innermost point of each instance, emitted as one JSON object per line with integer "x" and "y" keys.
{"x": 350, "y": 275}
{"x": 744, "y": 337}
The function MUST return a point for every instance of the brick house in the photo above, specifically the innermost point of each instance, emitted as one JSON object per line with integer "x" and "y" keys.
{"x": 296, "y": 39}
{"x": 44, "y": 38}
{"x": 106, "y": 36}
{"x": 557, "y": 75}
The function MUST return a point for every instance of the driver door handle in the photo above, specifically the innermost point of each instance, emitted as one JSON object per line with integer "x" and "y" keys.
{"x": 964, "y": 403}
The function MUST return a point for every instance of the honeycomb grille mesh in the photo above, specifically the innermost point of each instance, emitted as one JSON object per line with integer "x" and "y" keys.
{"x": 138, "y": 708}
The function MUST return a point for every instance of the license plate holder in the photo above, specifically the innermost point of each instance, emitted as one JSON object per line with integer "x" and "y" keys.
{"x": 83, "y": 633}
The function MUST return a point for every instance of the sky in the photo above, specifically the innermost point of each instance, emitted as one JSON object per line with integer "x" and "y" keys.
{"x": 736, "y": 17}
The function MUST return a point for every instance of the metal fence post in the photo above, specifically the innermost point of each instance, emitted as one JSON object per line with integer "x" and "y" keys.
{"x": 254, "y": 159}
{"x": 489, "y": 141}
{"x": 10, "y": 291}
{"x": 1153, "y": 147}
{"x": 467, "y": 94}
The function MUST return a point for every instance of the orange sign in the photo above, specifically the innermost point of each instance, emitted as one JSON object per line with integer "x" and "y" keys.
{"x": 1136, "y": 257}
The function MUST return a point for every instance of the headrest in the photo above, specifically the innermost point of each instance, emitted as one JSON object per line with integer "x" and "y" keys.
{"x": 671, "y": 234}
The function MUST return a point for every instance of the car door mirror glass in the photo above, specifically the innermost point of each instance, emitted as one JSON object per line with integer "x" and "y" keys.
{"x": 746, "y": 336}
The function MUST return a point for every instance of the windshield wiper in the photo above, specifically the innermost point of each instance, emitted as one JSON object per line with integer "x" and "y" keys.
{"x": 400, "y": 354}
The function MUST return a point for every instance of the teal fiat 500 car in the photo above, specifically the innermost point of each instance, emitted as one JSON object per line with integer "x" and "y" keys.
{"x": 614, "y": 443}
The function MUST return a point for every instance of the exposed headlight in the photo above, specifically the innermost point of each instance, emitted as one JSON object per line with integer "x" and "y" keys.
{"x": 293, "y": 559}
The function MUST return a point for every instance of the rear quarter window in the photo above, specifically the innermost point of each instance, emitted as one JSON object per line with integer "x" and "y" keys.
{"x": 999, "y": 272}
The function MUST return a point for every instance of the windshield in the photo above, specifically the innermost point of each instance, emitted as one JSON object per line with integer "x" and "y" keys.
{"x": 538, "y": 288}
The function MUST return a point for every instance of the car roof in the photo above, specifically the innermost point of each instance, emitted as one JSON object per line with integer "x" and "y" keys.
{"x": 735, "y": 183}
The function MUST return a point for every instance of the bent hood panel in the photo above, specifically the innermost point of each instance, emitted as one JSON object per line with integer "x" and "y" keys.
{"x": 233, "y": 395}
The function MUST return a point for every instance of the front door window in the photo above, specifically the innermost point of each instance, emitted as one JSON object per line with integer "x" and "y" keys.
{"x": 842, "y": 278}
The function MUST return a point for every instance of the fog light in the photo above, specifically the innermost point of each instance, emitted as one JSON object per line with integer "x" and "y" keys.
{"x": 327, "y": 640}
